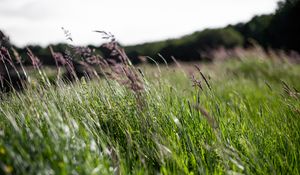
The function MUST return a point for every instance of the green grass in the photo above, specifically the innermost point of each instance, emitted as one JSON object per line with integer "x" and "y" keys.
{"x": 248, "y": 123}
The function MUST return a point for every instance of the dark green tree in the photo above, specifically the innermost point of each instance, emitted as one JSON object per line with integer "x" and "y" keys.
{"x": 284, "y": 29}
{"x": 255, "y": 29}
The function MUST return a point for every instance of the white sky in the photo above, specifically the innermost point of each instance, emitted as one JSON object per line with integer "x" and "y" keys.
{"x": 132, "y": 21}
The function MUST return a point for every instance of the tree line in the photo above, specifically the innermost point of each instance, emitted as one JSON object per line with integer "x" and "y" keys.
{"x": 277, "y": 31}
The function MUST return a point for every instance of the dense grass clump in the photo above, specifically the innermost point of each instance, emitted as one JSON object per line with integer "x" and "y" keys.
{"x": 238, "y": 117}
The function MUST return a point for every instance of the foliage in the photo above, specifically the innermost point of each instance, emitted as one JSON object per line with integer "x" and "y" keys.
{"x": 284, "y": 29}
{"x": 190, "y": 47}
{"x": 255, "y": 30}
{"x": 277, "y": 31}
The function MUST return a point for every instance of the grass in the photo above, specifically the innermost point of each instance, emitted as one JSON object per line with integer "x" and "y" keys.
{"x": 248, "y": 123}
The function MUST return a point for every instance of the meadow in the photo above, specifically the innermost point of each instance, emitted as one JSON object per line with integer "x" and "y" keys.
{"x": 239, "y": 116}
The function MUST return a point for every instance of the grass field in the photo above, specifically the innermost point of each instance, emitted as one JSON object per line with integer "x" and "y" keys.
{"x": 242, "y": 117}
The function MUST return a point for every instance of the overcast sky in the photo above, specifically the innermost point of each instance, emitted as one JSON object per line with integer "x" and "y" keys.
{"x": 132, "y": 21}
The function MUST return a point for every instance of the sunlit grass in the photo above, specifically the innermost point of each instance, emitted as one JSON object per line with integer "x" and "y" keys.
{"x": 247, "y": 123}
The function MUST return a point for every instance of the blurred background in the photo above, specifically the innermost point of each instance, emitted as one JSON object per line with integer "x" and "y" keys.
{"x": 192, "y": 30}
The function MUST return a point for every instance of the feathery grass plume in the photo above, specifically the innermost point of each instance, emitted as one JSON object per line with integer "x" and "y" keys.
{"x": 66, "y": 61}
{"x": 7, "y": 58}
{"x": 76, "y": 61}
{"x": 68, "y": 34}
{"x": 211, "y": 121}
{"x": 19, "y": 62}
{"x": 269, "y": 86}
{"x": 4, "y": 72}
{"x": 35, "y": 61}
{"x": 121, "y": 66}
{"x": 58, "y": 57}
{"x": 291, "y": 92}
{"x": 204, "y": 78}
{"x": 165, "y": 61}
{"x": 72, "y": 60}
{"x": 196, "y": 82}
{"x": 10, "y": 77}
{"x": 59, "y": 60}
{"x": 176, "y": 62}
